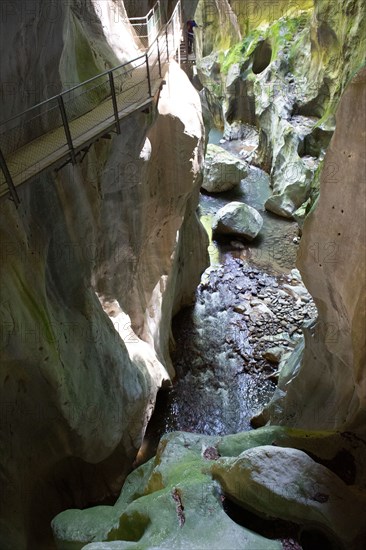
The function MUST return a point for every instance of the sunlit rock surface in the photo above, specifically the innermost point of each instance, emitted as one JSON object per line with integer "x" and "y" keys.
{"x": 122, "y": 223}
{"x": 237, "y": 218}
{"x": 222, "y": 171}
{"x": 290, "y": 485}
{"x": 328, "y": 388}
{"x": 285, "y": 75}
{"x": 158, "y": 240}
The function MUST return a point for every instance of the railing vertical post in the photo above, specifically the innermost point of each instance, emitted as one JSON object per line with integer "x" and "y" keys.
{"x": 167, "y": 46}
{"x": 114, "y": 101}
{"x": 148, "y": 74}
{"x": 158, "y": 21}
{"x": 9, "y": 180}
{"x": 66, "y": 128}
{"x": 179, "y": 35}
{"x": 174, "y": 50}
{"x": 147, "y": 31}
{"x": 159, "y": 61}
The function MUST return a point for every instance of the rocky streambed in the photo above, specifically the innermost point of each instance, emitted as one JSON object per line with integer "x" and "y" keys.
{"x": 229, "y": 346}
{"x": 247, "y": 318}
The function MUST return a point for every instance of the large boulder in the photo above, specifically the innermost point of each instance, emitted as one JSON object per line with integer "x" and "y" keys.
{"x": 169, "y": 502}
{"x": 173, "y": 502}
{"x": 288, "y": 484}
{"x": 222, "y": 170}
{"x": 238, "y": 218}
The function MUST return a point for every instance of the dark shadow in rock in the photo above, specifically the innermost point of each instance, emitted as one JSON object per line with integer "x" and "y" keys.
{"x": 156, "y": 428}
{"x": 342, "y": 465}
{"x": 316, "y": 106}
{"x": 261, "y": 57}
{"x": 291, "y": 535}
{"x": 223, "y": 241}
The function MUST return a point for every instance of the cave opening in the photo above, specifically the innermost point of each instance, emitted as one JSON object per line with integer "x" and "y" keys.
{"x": 262, "y": 57}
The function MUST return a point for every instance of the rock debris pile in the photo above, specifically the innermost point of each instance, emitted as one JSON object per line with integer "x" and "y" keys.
{"x": 230, "y": 346}
{"x": 266, "y": 312}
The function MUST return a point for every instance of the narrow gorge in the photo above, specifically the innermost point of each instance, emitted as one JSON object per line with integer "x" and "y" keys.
{"x": 183, "y": 288}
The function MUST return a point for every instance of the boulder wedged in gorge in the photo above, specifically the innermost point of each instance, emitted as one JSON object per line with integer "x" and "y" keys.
{"x": 327, "y": 388}
{"x": 222, "y": 170}
{"x": 237, "y": 218}
{"x": 117, "y": 230}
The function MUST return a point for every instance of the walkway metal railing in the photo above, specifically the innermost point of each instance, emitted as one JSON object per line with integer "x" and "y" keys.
{"x": 60, "y": 127}
{"x": 147, "y": 27}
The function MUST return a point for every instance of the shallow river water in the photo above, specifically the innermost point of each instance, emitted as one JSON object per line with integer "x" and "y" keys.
{"x": 222, "y": 378}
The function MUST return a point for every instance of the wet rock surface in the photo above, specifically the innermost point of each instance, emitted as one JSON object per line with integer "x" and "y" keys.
{"x": 274, "y": 249}
{"x": 246, "y": 320}
{"x": 224, "y": 373}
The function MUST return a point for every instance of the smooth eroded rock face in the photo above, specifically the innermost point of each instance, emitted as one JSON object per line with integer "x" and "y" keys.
{"x": 176, "y": 499}
{"x": 237, "y": 218}
{"x": 285, "y": 77}
{"x": 95, "y": 261}
{"x": 286, "y": 483}
{"x": 327, "y": 388}
{"x": 170, "y": 502}
{"x": 222, "y": 170}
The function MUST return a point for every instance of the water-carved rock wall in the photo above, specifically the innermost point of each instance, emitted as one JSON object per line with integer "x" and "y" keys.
{"x": 78, "y": 384}
{"x": 287, "y": 77}
{"x": 282, "y": 68}
{"x": 327, "y": 389}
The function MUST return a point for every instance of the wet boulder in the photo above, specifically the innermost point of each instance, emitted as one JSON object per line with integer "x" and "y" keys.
{"x": 222, "y": 170}
{"x": 237, "y": 218}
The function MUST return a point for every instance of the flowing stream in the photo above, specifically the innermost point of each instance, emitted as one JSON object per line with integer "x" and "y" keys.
{"x": 241, "y": 310}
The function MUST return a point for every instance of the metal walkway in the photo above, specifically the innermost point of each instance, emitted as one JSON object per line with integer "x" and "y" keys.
{"x": 184, "y": 55}
{"x": 58, "y": 130}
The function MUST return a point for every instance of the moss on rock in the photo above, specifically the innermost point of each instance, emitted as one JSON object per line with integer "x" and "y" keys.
{"x": 173, "y": 502}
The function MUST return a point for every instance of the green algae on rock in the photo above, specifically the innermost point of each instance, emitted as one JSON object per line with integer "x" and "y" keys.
{"x": 147, "y": 514}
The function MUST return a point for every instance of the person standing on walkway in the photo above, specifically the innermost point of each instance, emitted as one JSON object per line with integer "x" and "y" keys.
{"x": 191, "y": 23}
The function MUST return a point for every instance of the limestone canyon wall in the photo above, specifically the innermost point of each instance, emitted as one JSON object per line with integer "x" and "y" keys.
{"x": 327, "y": 389}
{"x": 116, "y": 231}
{"x": 281, "y": 68}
